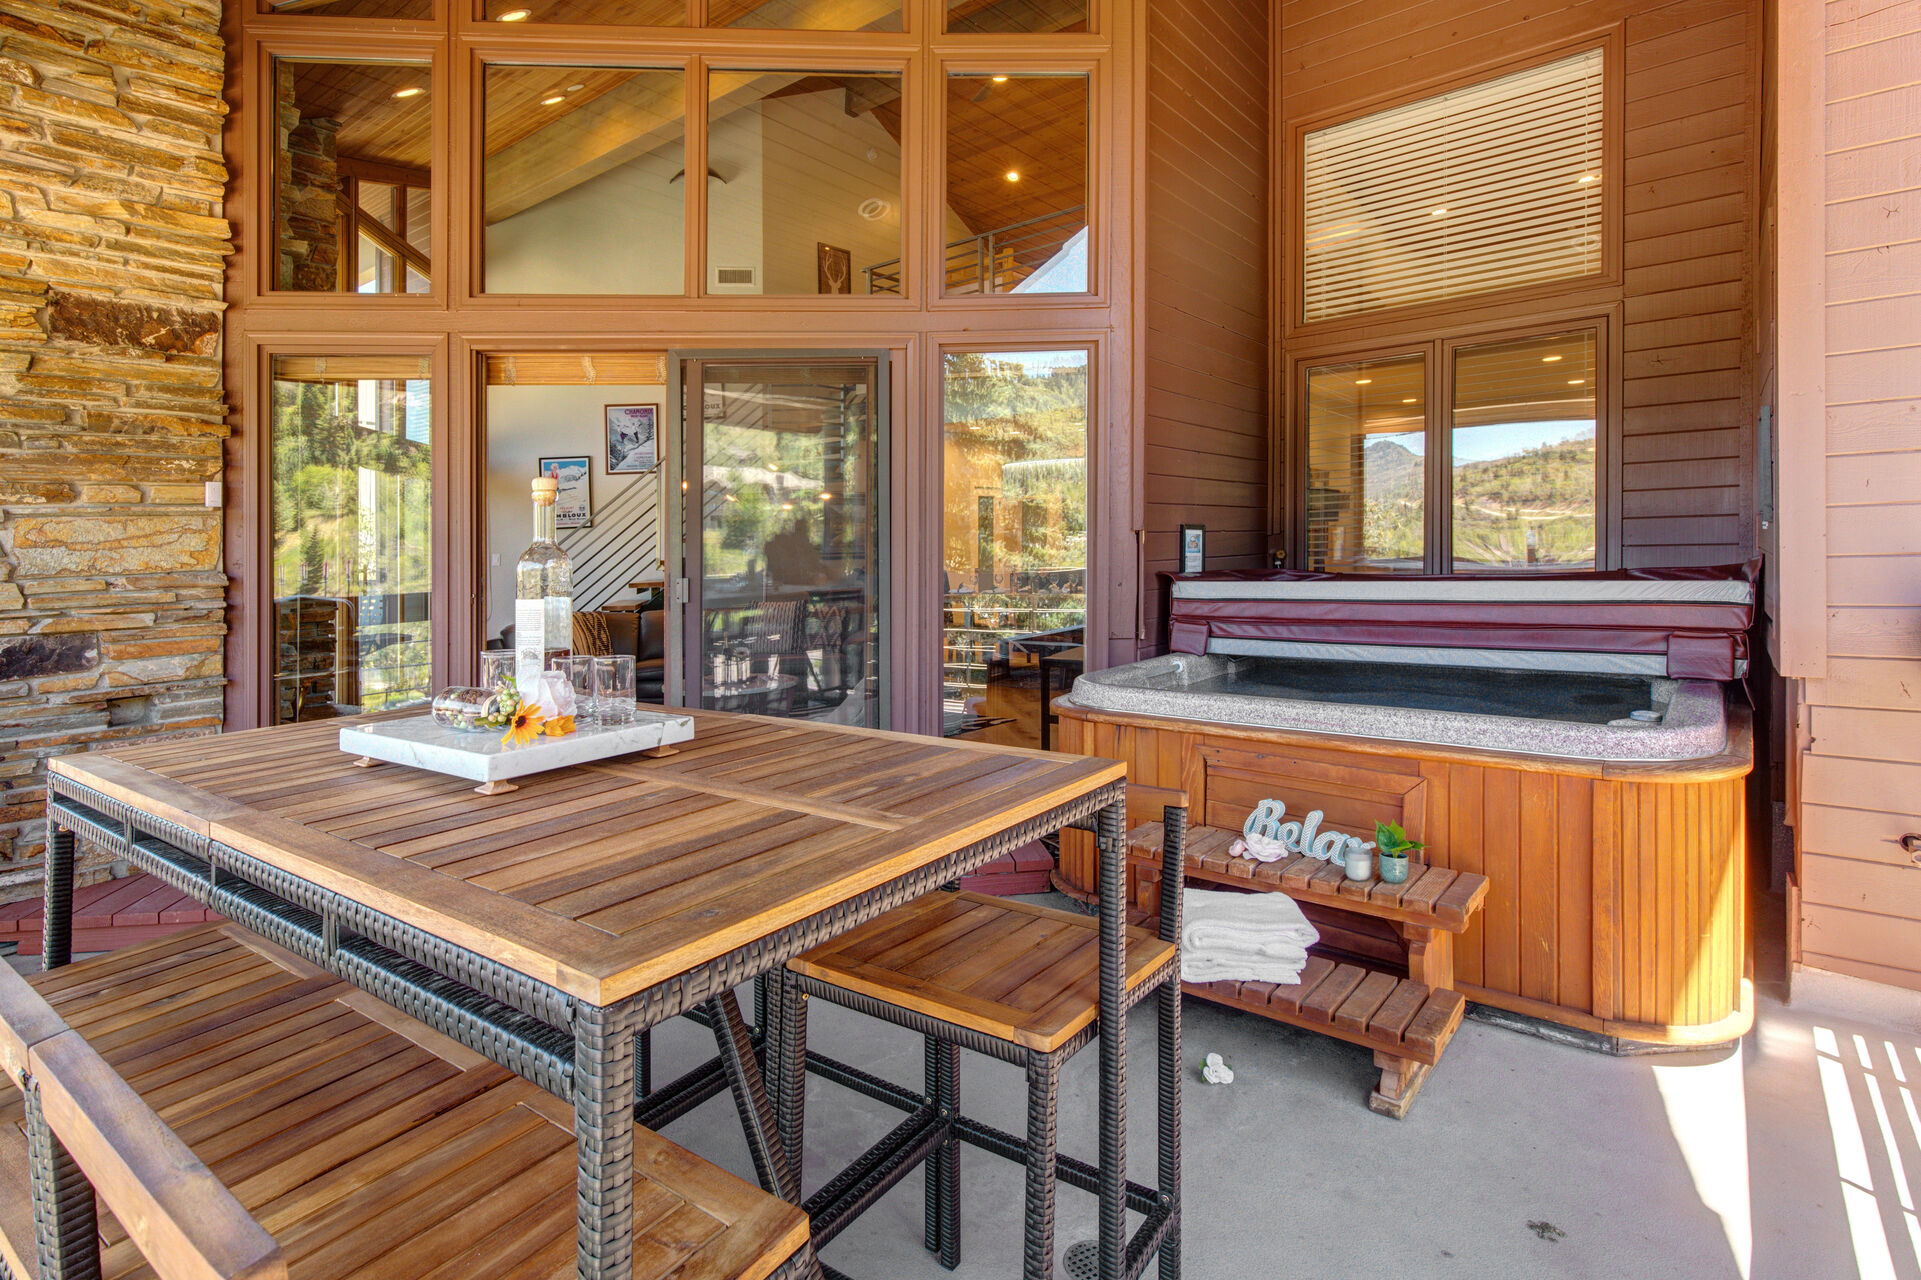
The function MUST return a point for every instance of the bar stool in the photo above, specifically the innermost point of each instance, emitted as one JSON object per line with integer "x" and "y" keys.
{"x": 1016, "y": 982}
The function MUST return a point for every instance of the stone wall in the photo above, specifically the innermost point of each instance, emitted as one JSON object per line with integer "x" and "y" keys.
{"x": 112, "y": 411}
{"x": 307, "y": 202}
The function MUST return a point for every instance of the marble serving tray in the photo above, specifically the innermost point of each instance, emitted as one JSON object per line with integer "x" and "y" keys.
{"x": 421, "y": 744}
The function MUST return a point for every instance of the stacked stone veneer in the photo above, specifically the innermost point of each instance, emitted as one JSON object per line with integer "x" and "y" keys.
{"x": 307, "y": 209}
{"x": 112, "y": 416}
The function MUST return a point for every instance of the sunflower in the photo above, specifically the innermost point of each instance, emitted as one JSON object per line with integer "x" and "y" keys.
{"x": 524, "y": 727}
{"x": 558, "y": 727}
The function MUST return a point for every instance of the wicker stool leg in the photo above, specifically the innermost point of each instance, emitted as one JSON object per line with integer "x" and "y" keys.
{"x": 644, "y": 1063}
{"x": 1043, "y": 1114}
{"x": 68, "y": 1234}
{"x": 1170, "y": 1121}
{"x": 57, "y": 925}
{"x": 943, "y": 1165}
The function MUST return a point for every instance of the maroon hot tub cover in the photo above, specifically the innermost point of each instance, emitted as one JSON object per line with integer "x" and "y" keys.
{"x": 1694, "y": 621}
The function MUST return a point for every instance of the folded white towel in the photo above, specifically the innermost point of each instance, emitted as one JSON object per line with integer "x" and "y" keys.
{"x": 1220, "y": 968}
{"x": 1255, "y": 924}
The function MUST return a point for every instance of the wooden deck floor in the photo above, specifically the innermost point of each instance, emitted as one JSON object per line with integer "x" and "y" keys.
{"x": 113, "y": 913}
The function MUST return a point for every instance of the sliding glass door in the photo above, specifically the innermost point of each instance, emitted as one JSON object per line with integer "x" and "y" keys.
{"x": 780, "y": 599}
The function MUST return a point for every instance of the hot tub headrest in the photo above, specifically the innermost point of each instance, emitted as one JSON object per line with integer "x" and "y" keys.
{"x": 1693, "y": 622}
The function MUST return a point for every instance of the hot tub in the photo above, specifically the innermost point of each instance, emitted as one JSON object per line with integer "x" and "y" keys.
{"x": 1570, "y": 737}
{"x": 1569, "y": 716}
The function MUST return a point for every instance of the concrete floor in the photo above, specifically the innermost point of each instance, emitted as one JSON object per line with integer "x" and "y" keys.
{"x": 1784, "y": 1159}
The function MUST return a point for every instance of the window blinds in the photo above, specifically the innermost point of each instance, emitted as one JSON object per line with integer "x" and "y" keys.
{"x": 1488, "y": 187}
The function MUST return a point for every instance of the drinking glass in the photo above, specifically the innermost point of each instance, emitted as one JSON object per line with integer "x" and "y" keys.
{"x": 497, "y": 668}
{"x": 614, "y": 689}
{"x": 580, "y": 674}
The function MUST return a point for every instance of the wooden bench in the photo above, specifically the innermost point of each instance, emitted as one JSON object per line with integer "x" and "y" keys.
{"x": 1389, "y": 988}
{"x": 243, "y": 1114}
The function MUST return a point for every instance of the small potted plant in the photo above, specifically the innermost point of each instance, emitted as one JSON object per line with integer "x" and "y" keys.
{"x": 1392, "y": 847}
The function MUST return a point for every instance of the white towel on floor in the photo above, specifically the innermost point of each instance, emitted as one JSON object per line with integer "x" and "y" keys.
{"x": 1247, "y": 937}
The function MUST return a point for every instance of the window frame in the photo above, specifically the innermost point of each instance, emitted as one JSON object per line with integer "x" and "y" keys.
{"x": 1438, "y": 353}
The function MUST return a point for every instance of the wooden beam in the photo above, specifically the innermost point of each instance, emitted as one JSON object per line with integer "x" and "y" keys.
{"x": 378, "y": 232}
{"x": 577, "y": 369}
{"x": 404, "y": 175}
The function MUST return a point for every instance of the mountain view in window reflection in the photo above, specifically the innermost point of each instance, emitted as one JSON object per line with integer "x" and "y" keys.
{"x": 1522, "y": 455}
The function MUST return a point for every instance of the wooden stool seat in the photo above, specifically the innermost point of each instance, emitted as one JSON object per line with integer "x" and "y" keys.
{"x": 365, "y": 1143}
{"x": 1011, "y": 970}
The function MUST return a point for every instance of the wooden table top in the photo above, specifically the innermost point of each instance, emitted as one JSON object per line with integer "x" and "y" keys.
{"x": 602, "y": 879}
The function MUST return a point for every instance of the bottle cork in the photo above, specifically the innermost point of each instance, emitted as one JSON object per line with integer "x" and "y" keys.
{"x": 546, "y": 488}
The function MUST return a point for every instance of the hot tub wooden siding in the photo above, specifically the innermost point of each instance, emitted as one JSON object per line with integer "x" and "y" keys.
{"x": 1617, "y": 897}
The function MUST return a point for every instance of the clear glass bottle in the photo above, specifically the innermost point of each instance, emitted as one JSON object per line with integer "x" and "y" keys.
{"x": 543, "y": 597}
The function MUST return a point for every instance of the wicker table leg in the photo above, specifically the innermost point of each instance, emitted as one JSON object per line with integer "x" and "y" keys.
{"x": 57, "y": 935}
{"x": 604, "y": 1128}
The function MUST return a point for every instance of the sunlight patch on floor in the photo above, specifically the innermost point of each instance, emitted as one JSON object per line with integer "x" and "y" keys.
{"x": 1708, "y": 1114}
{"x": 1883, "y": 1136}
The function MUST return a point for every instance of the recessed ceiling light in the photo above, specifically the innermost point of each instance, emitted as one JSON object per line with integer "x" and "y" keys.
{"x": 1410, "y": 400}
{"x": 548, "y": 102}
{"x": 1013, "y": 175}
{"x": 1000, "y": 79}
{"x": 515, "y": 15}
{"x": 1589, "y": 177}
{"x": 1575, "y": 382}
{"x": 575, "y": 88}
{"x": 411, "y": 91}
{"x": 1435, "y": 213}
{"x": 1549, "y": 359}
{"x": 1362, "y": 382}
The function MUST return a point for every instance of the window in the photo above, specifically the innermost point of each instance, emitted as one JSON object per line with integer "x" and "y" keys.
{"x": 1489, "y": 187}
{"x": 584, "y": 180}
{"x": 975, "y": 16}
{"x": 803, "y": 181}
{"x": 626, "y": 13}
{"x": 1367, "y": 466}
{"x": 1521, "y": 455}
{"x": 1017, "y": 184}
{"x": 352, "y": 517}
{"x": 1503, "y": 478}
{"x": 1014, "y": 559}
{"x": 352, "y": 177}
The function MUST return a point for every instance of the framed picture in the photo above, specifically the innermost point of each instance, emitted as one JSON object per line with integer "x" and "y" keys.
{"x": 836, "y": 269}
{"x": 574, "y": 505}
{"x": 633, "y": 435}
{"x": 1193, "y": 548}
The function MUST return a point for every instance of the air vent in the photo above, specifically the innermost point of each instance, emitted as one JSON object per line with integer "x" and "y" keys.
{"x": 735, "y": 277}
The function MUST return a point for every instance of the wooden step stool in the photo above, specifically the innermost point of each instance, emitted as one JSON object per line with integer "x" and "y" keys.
{"x": 1407, "y": 1019}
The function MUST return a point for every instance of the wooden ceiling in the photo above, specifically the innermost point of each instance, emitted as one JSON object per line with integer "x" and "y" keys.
{"x": 1035, "y": 126}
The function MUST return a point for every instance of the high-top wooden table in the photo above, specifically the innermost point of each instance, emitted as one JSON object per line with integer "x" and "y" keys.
{"x": 549, "y": 927}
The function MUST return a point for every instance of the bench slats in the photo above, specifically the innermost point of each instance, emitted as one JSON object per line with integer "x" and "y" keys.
{"x": 1431, "y": 895}
{"x": 1413, "y": 1021}
{"x": 360, "y": 1140}
{"x": 186, "y": 1224}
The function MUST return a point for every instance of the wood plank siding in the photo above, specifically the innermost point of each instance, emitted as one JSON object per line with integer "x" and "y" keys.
{"x": 1859, "y": 767}
{"x": 1677, "y": 296}
{"x": 1205, "y": 434}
